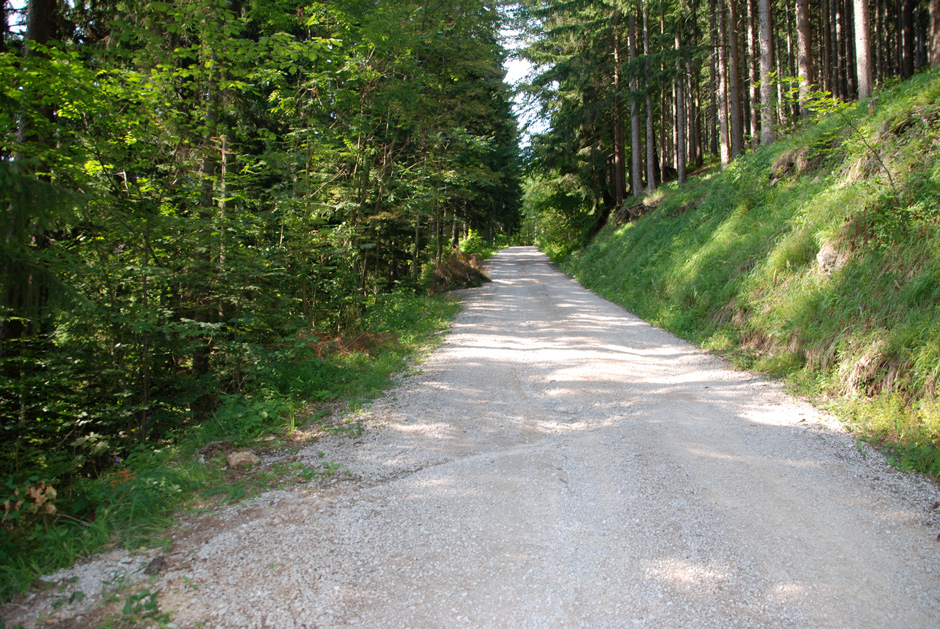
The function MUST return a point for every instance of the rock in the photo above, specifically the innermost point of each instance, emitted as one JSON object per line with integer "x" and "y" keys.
{"x": 157, "y": 565}
{"x": 829, "y": 259}
{"x": 243, "y": 458}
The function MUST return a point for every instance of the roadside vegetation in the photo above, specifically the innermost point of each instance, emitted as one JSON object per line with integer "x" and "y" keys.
{"x": 462, "y": 267}
{"x": 132, "y": 503}
{"x": 816, "y": 259}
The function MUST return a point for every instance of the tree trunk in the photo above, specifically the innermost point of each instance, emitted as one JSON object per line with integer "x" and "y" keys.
{"x": 923, "y": 33}
{"x": 713, "y": 79}
{"x": 725, "y": 148}
{"x": 825, "y": 65}
{"x": 415, "y": 268}
{"x": 898, "y": 42}
{"x": 907, "y": 38}
{"x": 664, "y": 141}
{"x": 745, "y": 80}
{"x": 851, "y": 82}
{"x": 636, "y": 170}
{"x": 876, "y": 50}
{"x": 863, "y": 49}
{"x": 40, "y": 28}
{"x": 765, "y": 20}
{"x": 933, "y": 47}
{"x": 680, "y": 110}
{"x": 791, "y": 49}
{"x": 696, "y": 152}
{"x": 695, "y": 71}
{"x": 665, "y": 117}
{"x": 17, "y": 293}
{"x": 652, "y": 179}
{"x": 803, "y": 54}
{"x": 4, "y": 26}
{"x": 838, "y": 45}
{"x": 753, "y": 71}
{"x": 736, "y": 126}
{"x": 207, "y": 168}
{"x": 619, "y": 166}
{"x": 438, "y": 234}
{"x": 890, "y": 41}
{"x": 207, "y": 176}
{"x": 778, "y": 58}
{"x": 650, "y": 135}
{"x": 40, "y": 20}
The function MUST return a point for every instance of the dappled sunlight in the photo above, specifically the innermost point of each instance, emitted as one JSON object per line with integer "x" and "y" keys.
{"x": 661, "y": 352}
{"x": 432, "y": 483}
{"x": 683, "y": 573}
{"x": 559, "y": 426}
{"x": 556, "y": 444}
{"x": 773, "y": 416}
{"x": 787, "y": 592}
{"x": 751, "y": 462}
{"x": 422, "y": 427}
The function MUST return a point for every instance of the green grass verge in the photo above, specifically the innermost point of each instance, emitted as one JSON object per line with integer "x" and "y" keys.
{"x": 133, "y": 503}
{"x": 804, "y": 261}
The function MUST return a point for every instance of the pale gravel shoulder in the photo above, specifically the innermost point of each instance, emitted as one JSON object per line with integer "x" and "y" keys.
{"x": 559, "y": 463}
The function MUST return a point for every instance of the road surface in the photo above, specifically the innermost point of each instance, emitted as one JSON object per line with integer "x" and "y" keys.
{"x": 560, "y": 463}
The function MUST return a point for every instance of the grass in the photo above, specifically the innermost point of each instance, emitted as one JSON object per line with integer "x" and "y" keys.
{"x": 133, "y": 503}
{"x": 731, "y": 261}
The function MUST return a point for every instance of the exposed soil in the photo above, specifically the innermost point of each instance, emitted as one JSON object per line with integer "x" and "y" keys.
{"x": 557, "y": 463}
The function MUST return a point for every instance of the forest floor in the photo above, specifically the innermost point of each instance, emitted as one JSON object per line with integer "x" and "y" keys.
{"x": 557, "y": 462}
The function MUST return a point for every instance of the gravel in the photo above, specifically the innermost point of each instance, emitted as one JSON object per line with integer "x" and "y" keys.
{"x": 560, "y": 463}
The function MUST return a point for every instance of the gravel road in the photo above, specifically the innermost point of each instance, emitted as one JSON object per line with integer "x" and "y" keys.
{"x": 560, "y": 463}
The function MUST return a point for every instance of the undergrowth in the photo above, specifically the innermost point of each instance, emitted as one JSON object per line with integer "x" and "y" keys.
{"x": 459, "y": 268}
{"x": 48, "y": 522}
{"x": 456, "y": 270}
{"x": 816, "y": 259}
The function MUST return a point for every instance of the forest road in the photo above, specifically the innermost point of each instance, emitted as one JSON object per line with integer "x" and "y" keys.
{"x": 557, "y": 462}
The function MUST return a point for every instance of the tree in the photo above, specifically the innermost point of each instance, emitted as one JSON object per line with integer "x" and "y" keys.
{"x": 636, "y": 169}
{"x": 735, "y": 122}
{"x": 40, "y": 21}
{"x": 818, "y": 43}
{"x": 934, "y": 34}
{"x": 198, "y": 186}
{"x": 579, "y": 47}
{"x": 803, "y": 54}
{"x": 863, "y": 49}
{"x": 724, "y": 107}
{"x": 766, "y": 72}
{"x": 619, "y": 150}
{"x": 680, "y": 103}
{"x": 907, "y": 38}
{"x": 650, "y": 136}
{"x": 754, "y": 72}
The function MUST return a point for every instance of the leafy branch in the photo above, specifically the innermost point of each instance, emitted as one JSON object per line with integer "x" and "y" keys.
{"x": 824, "y": 103}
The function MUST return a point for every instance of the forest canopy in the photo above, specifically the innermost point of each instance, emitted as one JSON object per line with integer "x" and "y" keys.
{"x": 193, "y": 191}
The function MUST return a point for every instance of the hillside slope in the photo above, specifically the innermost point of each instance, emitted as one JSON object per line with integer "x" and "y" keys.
{"x": 816, "y": 259}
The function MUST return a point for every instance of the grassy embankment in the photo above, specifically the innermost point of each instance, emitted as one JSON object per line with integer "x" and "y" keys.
{"x": 133, "y": 503}
{"x": 816, "y": 259}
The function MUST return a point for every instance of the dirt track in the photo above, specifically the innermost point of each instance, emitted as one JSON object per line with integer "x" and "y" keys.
{"x": 559, "y": 463}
